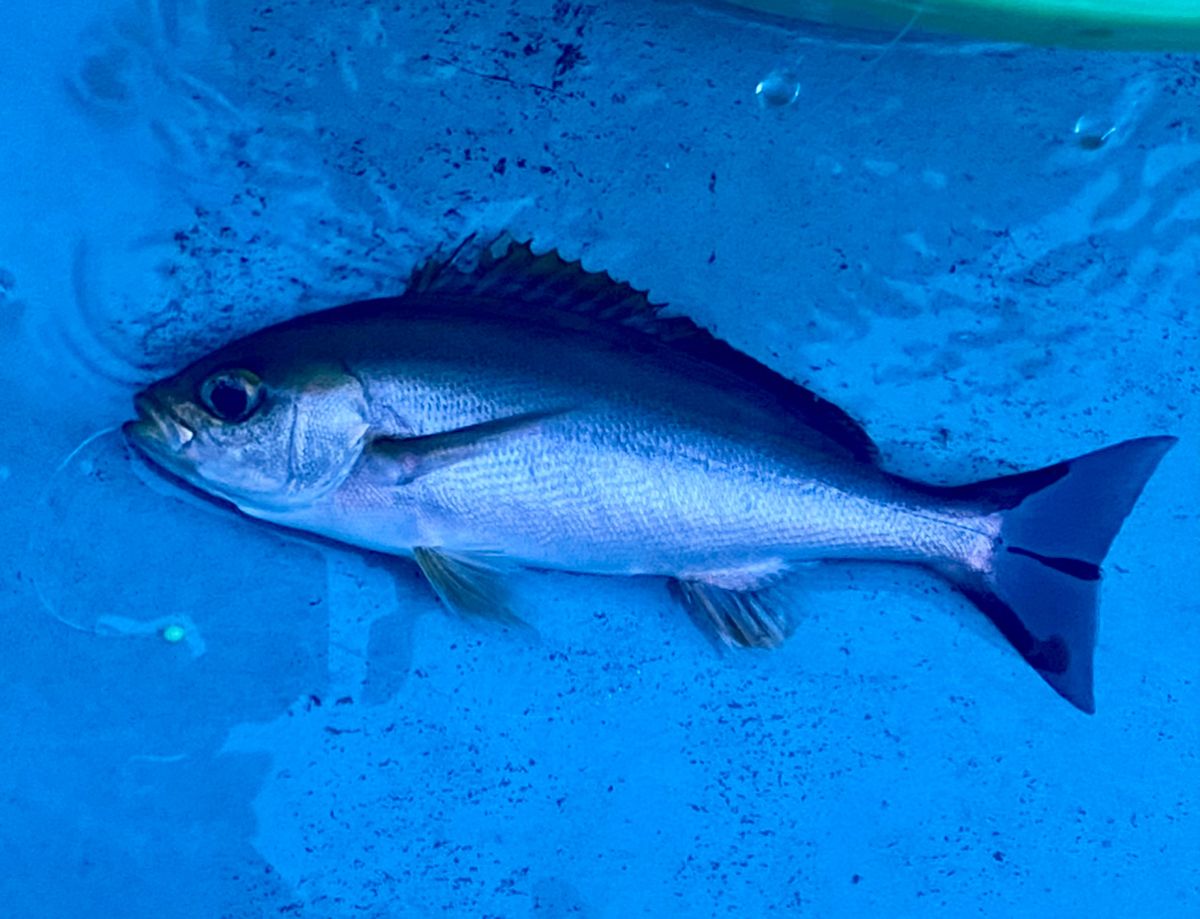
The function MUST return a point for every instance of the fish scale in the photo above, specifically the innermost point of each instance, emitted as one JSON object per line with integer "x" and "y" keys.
{"x": 526, "y": 412}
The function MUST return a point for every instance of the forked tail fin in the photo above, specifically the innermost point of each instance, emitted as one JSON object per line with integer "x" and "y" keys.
{"x": 1057, "y": 526}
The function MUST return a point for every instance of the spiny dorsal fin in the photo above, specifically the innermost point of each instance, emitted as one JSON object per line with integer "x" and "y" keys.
{"x": 512, "y": 279}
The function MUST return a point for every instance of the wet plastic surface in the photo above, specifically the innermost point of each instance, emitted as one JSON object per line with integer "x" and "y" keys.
{"x": 988, "y": 255}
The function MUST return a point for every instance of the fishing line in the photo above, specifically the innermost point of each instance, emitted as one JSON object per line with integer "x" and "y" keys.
{"x": 173, "y": 628}
{"x": 90, "y": 439}
{"x": 42, "y": 519}
{"x": 867, "y": 68}
{"x": 883, "y": 52}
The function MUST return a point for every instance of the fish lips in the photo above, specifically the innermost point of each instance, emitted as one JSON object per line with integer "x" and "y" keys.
{"x": 158, "y": 431}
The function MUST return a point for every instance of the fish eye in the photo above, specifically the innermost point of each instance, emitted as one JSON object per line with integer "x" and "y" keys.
{"x": 231, "y": 395}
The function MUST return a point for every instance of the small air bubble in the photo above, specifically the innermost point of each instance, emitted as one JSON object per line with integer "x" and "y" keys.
{"x": 777, "y": 89}
{"x": 1092, "y": 134}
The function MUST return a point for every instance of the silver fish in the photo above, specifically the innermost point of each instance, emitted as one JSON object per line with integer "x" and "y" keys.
{"x": 525, "y": 412}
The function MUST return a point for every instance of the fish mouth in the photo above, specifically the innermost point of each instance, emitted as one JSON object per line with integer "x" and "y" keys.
{"x": 157, "y": 429}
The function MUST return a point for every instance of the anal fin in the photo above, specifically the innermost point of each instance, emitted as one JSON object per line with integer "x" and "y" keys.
{"x": 735, "y": 618}
{"x": 467, "y": 584}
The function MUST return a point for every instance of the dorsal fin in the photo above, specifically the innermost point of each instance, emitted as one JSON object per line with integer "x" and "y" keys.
{"x": 512, "y": 279}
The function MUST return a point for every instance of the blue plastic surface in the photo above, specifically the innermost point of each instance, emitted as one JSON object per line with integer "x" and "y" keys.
{"x": 991, "y": 257}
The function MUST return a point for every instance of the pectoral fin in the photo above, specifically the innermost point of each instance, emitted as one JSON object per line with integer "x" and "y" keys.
{"x": 468, "y": 585}
{"x": 398, "y": 460}
{"x": 741, "y": 618}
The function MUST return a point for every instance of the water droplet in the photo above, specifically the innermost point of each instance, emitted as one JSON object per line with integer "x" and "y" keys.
{"x": 777, "y": 89}
{"x": 1092, "y": 133}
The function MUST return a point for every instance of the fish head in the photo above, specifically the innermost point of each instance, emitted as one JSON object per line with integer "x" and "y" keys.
{"x": 264, "y": 433}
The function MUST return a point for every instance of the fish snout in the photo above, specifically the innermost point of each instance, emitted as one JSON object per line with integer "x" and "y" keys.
{"x": 156, "y": 424}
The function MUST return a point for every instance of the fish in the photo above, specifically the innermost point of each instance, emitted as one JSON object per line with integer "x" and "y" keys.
{"x": 516, "y": 410}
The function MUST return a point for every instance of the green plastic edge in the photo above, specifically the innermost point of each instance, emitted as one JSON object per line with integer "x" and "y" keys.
{"x": 1129, "y": 25}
